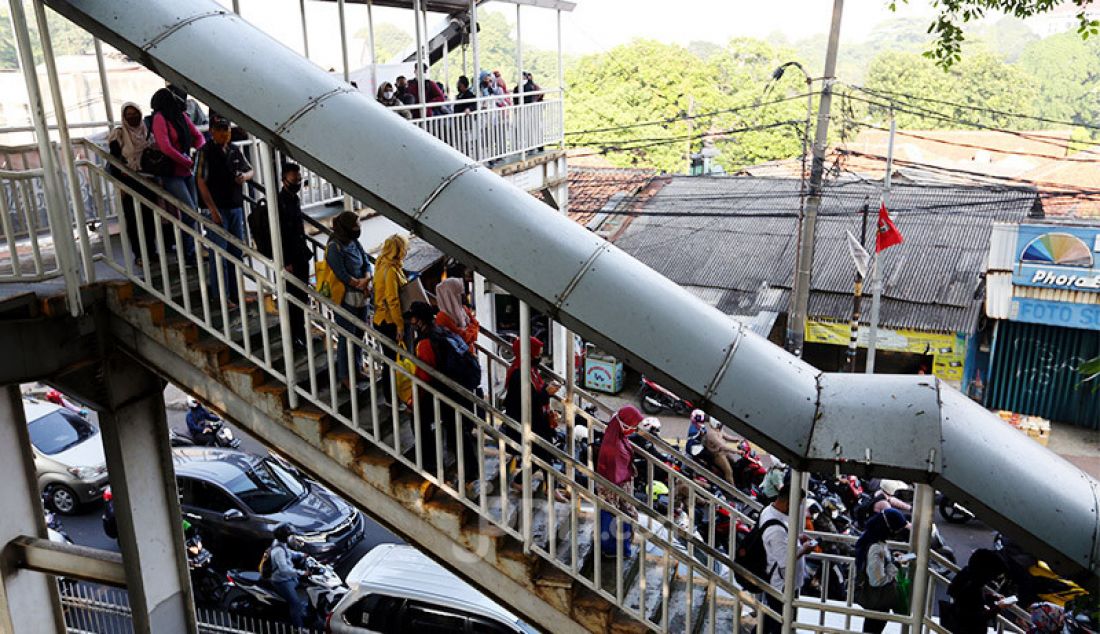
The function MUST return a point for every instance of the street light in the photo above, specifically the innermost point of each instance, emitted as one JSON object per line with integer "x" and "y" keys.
{"x": 777, "y": 74}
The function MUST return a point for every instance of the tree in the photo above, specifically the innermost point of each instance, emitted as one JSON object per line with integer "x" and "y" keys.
{"x": 1066, "y": 70}
{"x": 1008, "y": 37}
{"x": 497, "y": 51}
{"x": 66, "y": 37}
{"x": 980, "y": 83}
{"x": 947, "y": 51}
{"x": 390, "y": 40}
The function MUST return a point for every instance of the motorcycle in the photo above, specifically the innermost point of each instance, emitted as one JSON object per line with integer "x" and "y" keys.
{"x": 655, "y": 399}
{"x": 953, "y": 512}
{"x": 223, "y": 437}
{"x": 55, "y": 532}
{"x": 1032, "y": 580}
{"x": 248, "y": 593}
{"x": 208, "y": 584}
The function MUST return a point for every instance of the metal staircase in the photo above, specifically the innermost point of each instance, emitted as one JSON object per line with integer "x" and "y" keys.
{"x": 539, "y": 556}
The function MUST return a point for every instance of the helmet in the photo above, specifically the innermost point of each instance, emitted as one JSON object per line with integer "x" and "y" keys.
{"x": 715, "y": 423}
{"x": 580, "y": 433}
{"x": 698, "y": 416}
{"x": 192, "y": 403}
{"x": 650, "y": 424}
{"x": 892, "y": 487}
{"x": 283, "y": 532}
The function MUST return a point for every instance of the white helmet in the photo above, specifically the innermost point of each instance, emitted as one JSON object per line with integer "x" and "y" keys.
{"x": 650, "y": 424}
{"x": 714, "y": 423}
{"x": 192, "y": 403}
{"x": 580, "y": 433}
{"x": 698, "y": 416}
{"x": 891, "y": 487}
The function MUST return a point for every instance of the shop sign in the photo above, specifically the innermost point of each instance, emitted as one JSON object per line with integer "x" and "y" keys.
{"x": 1062, "y": 258}
{"x": 948, "y": 350}
{"x": 1040, "y": 311}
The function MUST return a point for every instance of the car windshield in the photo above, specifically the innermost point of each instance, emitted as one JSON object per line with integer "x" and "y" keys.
{"x": 267, "y": 487}
{"x": 59, "y": 430}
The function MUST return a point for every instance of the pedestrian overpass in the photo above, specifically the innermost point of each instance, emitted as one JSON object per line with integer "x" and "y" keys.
{"x": 81, "y": 313}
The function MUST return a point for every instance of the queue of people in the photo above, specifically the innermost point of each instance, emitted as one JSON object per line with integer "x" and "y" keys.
{"x": 492, "y": 88}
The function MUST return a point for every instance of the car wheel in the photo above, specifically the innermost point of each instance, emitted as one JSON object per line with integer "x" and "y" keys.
{"x": 63, "y": 499}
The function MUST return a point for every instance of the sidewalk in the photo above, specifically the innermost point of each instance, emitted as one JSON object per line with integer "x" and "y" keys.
{"x": 1078, "y": 445}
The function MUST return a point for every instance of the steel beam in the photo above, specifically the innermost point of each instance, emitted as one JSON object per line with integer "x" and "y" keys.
{"x": 29, "y": 602}
{"x": 68, "y": 560}
{"x": 150, "y": 534}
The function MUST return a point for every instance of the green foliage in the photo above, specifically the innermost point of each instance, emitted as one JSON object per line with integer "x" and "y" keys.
{"x": 647, "y": 80}
{"x": 67, "y": 38}
{"x": 1090, "y": 371}
{"x": 979, "y": 80}
{"x": 390, "y": 40}
{"x": 947, "y": 49}
{"x": 497, "y": 51}
{"x": 906, "y": 35}
{"x": 1066, "y": 71}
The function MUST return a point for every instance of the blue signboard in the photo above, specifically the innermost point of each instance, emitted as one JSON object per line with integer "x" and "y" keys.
{"x": 1041, "y": 311}
{"x": 1063, "y": 258}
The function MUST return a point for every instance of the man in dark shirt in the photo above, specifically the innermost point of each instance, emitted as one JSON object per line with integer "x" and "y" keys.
{"x": 296, "y": 251}
{"x": 220, "y": 175}
{"x": 464, "y": 93}
{"x": 529, "y": 86}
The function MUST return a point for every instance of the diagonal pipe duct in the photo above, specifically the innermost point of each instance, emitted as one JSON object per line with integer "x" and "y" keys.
{"x": 907, "y": 427}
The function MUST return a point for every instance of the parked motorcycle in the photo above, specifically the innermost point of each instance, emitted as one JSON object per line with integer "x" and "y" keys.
{"x": 223, "y": 437}
{"x": 953, "y": 512}
{"x": 655, "y": 399}
{"x": 208, "y": 584}
{"x": 1032, "y": 580}
{"x": 250, "y": 594}
{"x": 55, "y": 532}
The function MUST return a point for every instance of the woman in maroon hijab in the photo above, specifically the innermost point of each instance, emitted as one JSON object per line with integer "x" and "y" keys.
{"x": 615, "y": 464}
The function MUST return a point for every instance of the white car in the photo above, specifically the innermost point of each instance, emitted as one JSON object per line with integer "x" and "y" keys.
{"x": 394, "y": 588}
{"x": 68, "y": 456}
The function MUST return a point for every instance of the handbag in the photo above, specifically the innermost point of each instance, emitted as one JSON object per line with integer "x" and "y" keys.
{"x": 404, "y": 381}
{"x": 327, "y": 283}
{"x": 155, "y": 162}
{"x": 882, "y": 598}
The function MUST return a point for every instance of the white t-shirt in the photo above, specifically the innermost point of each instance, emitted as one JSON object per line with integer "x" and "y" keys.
{"x": 775, "y": 545}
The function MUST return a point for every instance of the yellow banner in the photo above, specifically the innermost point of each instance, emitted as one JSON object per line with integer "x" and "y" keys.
{"x": 948, "y": 351}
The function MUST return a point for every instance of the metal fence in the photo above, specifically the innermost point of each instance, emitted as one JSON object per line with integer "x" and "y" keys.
{"x": 97, "y": 609}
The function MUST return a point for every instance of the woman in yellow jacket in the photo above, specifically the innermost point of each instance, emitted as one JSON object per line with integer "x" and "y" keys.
{"x": 389, "y": 277}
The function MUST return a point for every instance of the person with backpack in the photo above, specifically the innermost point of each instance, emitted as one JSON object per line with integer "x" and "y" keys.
{"x": 284, "y": 565}
{"x": 766, "y": 551}
{"x": 446, "y": 352}
{"x": 875, "y": 571}
{"x": 349, "y": 262}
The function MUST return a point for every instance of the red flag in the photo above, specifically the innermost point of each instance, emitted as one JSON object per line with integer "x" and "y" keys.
{"x": 888, "y": 235}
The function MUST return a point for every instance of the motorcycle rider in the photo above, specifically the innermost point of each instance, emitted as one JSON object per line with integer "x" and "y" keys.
{"x": 199, "y": 421}
{"x": 287, "y": 566}
{"x": 718, "y": 447}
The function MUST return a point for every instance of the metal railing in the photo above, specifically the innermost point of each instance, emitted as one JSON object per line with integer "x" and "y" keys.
{"x": 97, "y": 609}
{"x": 492, "y": 128}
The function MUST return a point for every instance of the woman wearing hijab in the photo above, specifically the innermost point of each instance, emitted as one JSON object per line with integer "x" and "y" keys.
{"x": 972, "y": 603}
{"x": 348, "y": 261}
{"x": 454, "y": 315}
{"x": 127, "y": 143}
{"x": 389, "y": 277}
{"x": 876, "y": 572}
{"x": 615, "y": 463}
{"x": 175, "y": 136}
{"x": 543, "y": 418}
{"x": 387, "y": 96}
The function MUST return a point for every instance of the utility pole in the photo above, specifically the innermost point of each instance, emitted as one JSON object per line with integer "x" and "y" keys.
{"x": 691, "y": 129}
{"x": 857, "y": 302}
{"x": 800, "y": 291}
{"x": 876, "y": 270}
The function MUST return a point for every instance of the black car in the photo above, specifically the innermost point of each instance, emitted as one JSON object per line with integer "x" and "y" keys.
{"x": 235, "y": 500}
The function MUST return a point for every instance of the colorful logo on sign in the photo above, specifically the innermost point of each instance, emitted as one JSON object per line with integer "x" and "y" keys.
{"x": 1062, "y": 249}
{"x": 1057, "y": 257}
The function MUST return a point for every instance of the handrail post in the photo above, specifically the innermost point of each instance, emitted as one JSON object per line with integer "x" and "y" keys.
{"x": 795, "y": 520}
{"x": 525, "y": 418}
{"x": 68, "y": 161}
{"x": 570, "y": 403}
{"x": 921, "y": 544}
{"x": 267, "y": 157}
{"x": 56, "y": 213}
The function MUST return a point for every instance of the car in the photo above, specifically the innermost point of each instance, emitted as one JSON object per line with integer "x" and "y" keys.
{"x": 395, "y": 588}
{"x": 236, "y": 499}
{"x": 68, "y": 456}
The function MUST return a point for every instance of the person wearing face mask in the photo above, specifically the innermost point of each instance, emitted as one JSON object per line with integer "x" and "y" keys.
{"x": 387, "y": 96}
{"x": 348, "y": 261}
{"x": 127, "y": 143}
{"x": 175, "y": 137}
{"x": 220, "y": 174}
{"x": 296, "y": 251}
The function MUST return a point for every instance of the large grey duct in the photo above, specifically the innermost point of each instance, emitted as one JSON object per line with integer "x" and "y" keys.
{"x": 902, "y": 426}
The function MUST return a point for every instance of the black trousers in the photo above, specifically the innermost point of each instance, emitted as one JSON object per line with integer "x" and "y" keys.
{"x": 300, "y": 270}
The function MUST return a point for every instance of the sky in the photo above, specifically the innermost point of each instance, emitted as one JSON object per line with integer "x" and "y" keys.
{"x": 595, "y": 25}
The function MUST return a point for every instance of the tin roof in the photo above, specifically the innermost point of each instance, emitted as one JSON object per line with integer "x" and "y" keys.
{"x": 738, "y": 234}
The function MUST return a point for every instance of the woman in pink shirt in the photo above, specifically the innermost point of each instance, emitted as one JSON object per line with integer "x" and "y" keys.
{"x": 175, "y": 136}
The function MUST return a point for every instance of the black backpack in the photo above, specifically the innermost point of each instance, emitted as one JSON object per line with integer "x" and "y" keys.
{"x": 260, "y": 228}
{"x": 752, "y": 555}
{"x": 454, "y": 359}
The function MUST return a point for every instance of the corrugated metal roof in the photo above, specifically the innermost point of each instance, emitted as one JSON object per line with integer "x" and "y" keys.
{"x": 739, "y": 234}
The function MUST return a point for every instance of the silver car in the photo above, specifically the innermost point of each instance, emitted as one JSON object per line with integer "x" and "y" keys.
{"x": 68, "y": 456}
{"x": 395, "y": 588}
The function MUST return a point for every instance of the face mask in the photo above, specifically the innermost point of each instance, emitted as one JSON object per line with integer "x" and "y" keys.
{"x": 221, "y": 137}
{"x": 355, "y": 234}
{"x": 387, "y": 94}
{"x": 293, "y": 187}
